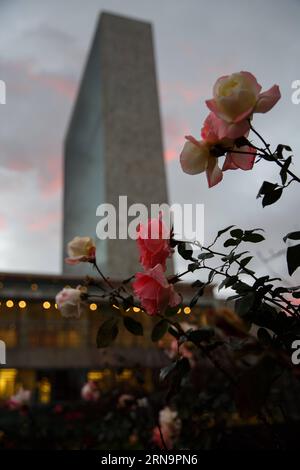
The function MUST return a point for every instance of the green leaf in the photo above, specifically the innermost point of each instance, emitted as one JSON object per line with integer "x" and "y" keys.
{"x": 273, "y": 197}
{"x": 245, "y": 261}
{"x": 203, "y": 334}
{"x": 292, "y": 236}
{"x": 107, "y": 332}
{"x": 253, "y": 237}
{"x": 231, "y": 242}
{"x": 198, "y": 283}
{"x": 280, "y": 148}
{"x": 203, "y": 256}
{"x": 220, "y": 232}
{"x": 283, "y": 171}
{"x": 293, "y": 258}
{"x": 237, "y": 233}
{"x": 245, "y": 304}
{"x": 185, "y": 250}
{"x": 266, "y": 188}
{"x": 193, "y": 267}
{"x": 133, "y": 326}
{"x": 159, "y": 330}
{"x": 228, "y": 281}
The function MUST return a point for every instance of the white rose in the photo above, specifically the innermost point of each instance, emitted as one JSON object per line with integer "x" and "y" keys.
{"x": 70, "y": 303}
{"x": 81, "y": 249}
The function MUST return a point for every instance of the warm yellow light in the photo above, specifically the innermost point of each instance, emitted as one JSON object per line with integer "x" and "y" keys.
{"x": 187, "y": 310}
{"x": 95, "y": 375}
{"x": 136, "y": 309}
{"x": 93, "y": 307}
{"x": 7, "y": 382}
{"x": 44, "y": 391}
{"x": 9, "y": 304}
{"x": 56, "y": 306}
{"x": 179, "y": 310}
{"x": 22, "y": 304}
{"x": 46, "y": 305}
{"x": 34, "y": 286}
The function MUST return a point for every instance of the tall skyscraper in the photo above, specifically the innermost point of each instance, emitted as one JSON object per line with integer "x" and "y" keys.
{"x": 113, "y": 146}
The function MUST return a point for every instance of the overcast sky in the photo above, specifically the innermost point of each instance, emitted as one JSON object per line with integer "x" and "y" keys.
{"x": 42, "y": 52}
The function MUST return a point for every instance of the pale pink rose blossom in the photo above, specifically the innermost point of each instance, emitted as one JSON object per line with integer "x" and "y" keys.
{"x": 196, "y": 158}
{"x": 81, "y": 249}
{"x": 69, "y": 302}
{"x": 170, "y": 425}
{"x": 235, "y": 98}
{"x": 20, "y": 399}
{"x": 154, "y": 291}
{"x": 90, "y": 391}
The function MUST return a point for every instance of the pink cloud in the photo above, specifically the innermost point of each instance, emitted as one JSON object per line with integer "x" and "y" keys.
{"x": 187, "y": 92}
{"x": 18, "y": 165}
{"x": 174, "y": 132}
{"x": 44, "y": 222}
{"x": 60, "y": 84}
{"x": 3, "y": 222}
{"x": 50, "y": 180}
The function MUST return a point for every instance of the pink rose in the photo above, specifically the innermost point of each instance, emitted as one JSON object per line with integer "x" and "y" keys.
{"x": 154, "y": 291}
{"x": 69, "y": 302}
{"x": 170, "y": 425}
{"x": 196, "y": 158}
{"x": 20, "y": 399}
{"x": 81, "y": 249}
{"x": 199, "y": 156}
{"x": 236, "y": 97}
{"x": 90, "y": 391}
{"x": 154, "y": 243}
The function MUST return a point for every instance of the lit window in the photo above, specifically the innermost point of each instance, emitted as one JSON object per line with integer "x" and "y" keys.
{"x": 187, "y": 310}
{"x": 95, "y": 375}
{"x": 22, "y": 304}
{"x": 46, "y": 305}
{"x": 7, "y": 382}
{"x": 9, "y": 304}
{"x": 44, "y": 391}
{"x": 93, "y": 307}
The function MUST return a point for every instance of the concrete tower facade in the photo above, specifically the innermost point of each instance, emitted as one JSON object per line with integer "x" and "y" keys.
{"x": 113, "y": 146}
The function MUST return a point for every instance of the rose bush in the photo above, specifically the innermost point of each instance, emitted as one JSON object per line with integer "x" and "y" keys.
{"x": 250, "y": 346}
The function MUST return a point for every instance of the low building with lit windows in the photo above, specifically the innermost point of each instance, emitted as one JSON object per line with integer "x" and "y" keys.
{"x": 54, "y": 356}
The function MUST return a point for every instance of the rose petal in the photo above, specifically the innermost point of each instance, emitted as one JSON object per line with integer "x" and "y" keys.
{"x": 267, "y": 99}
{"x": 213, "y": 173}
{"x": 252, "y": 80}
{"x": 233, "y": 161}
{"x": 233, "y": 130}
{"x": 194, "y": 159}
